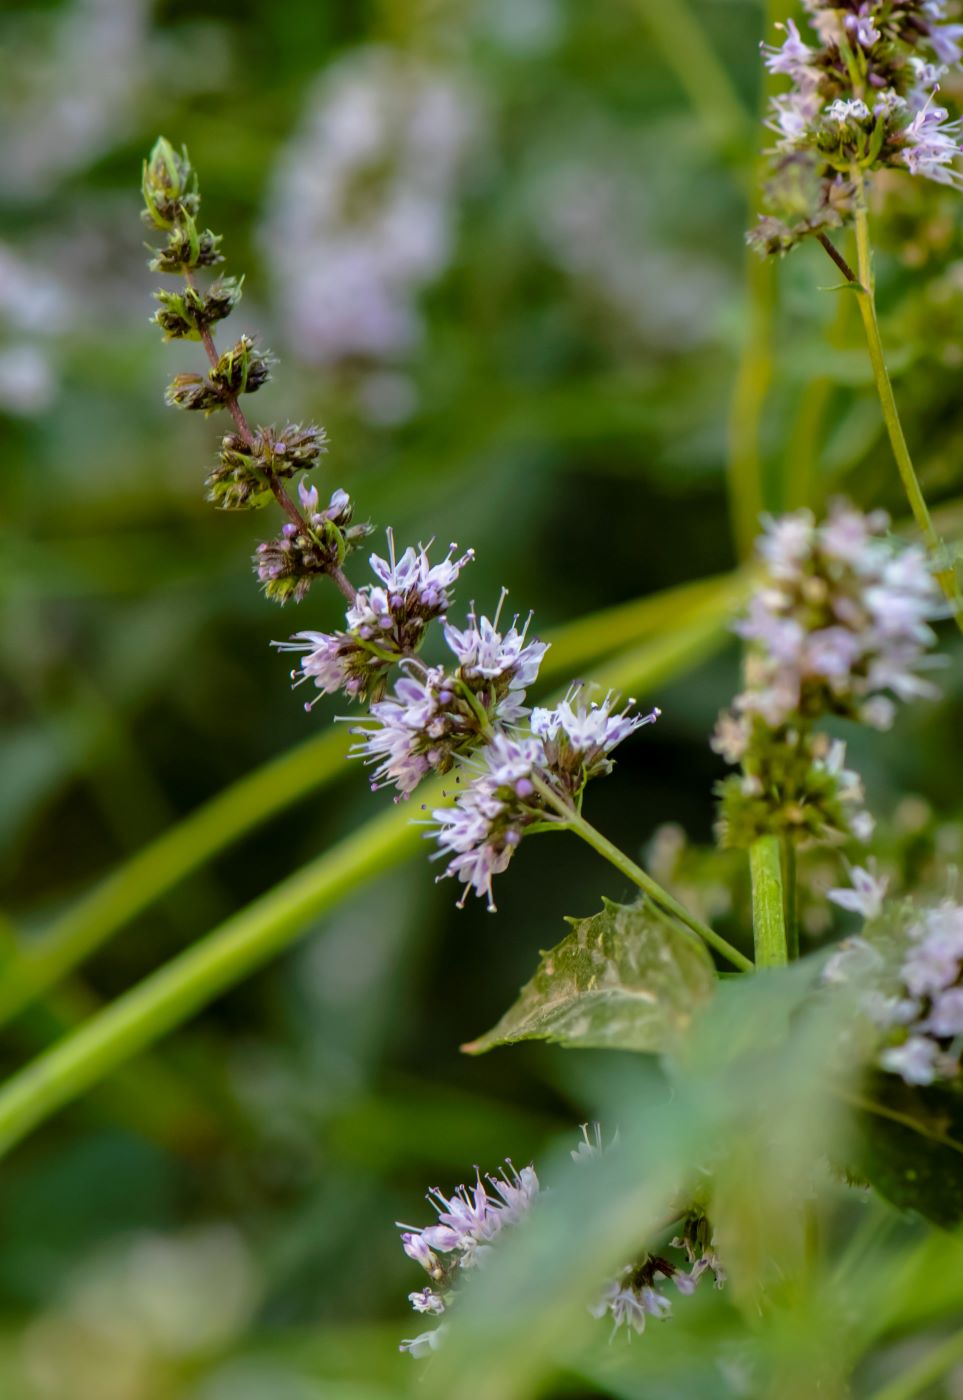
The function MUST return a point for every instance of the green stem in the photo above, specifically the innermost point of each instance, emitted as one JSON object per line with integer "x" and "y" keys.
{"x": 140, "y": 1017}
{"x": 866, "y": 294}
{"x": 768, "y": 911}
{"x": 702, "y": 75}
{"x": 791, "y": 897}
{"x": 577, "y": 823}
{"x": 160, "y": 865}
{"x": 683, "y": 624}
{"x": 163, "y": 1000}
{"x": 928, "y": 1369}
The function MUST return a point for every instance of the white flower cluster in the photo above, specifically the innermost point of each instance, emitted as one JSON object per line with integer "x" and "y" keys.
{"x": 863, "y": 98}
{"x": 472, "y": 1218}
{"x": 921, "y": 1014}
{"x": 897, "y": 126}
{"x": 362, "y": 213}
{"x": 840, "y": 623}
{"x": 469, "y": 1220}
{"x": 527, "y": 779}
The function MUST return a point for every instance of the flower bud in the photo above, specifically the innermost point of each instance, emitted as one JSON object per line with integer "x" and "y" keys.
{"x": 169, "y": 185}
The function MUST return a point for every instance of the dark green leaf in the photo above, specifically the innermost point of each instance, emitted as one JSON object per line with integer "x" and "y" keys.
{"x": 910, "y": 1146}
{"x": 625, "y": 979}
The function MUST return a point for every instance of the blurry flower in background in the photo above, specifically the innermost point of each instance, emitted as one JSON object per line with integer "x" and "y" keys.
{"x": 362, "y": 214}
{"x": 64, "y": 106}
{"x": 593, "y": 217}
{"x": 145, "y": 1301}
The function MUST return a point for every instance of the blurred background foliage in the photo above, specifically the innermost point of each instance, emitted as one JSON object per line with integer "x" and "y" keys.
{"x": 497, "y": 246}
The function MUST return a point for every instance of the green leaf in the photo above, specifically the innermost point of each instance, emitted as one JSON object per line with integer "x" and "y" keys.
{"x": 625, "y": 979}
{"x": 910, "y": 1146}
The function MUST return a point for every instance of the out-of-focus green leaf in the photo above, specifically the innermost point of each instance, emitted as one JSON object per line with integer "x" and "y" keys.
{"x": 624, "y": 979}
{"x": 910, "y": 1146}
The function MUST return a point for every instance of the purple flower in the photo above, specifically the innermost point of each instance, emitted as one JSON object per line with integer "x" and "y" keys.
{"x": 480, "y": 833}
{"x": 867, "y": 893}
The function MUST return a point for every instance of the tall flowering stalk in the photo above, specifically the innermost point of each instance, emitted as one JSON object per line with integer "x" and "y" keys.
{"x": 525, "y": 770}
{"x": 863, "y": 99}
{"x": 839, "y": 625}
{"x": 472, "y": 1219}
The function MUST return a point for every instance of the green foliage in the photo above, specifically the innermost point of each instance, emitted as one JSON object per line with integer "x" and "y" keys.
{"x": 910, "y": 1146}
{"x": 624, "y": 979}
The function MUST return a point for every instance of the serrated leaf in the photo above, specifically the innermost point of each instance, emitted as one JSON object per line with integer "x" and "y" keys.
{"x": 910, "y": 1146}
{"x": 624, "y": 979}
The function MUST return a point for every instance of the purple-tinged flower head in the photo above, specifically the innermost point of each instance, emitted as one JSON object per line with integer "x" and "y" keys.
{"x": 468, "y": 1222}
{"x": 930, "y": 145}
{"x": 517, "y": 1190}
{"x": 861, "y": 100}
{"x": 859, "y": 27}
{"x": 497, "y": 666}
{"x": 917, "y": 1006}
{"x": 578, "y": 737}
{"x": 423, "y": 727}
{"x": 631, "y": 1298}
{"x": 842, "y": 617}
{"x": 793, "y": 57}
{"x": 410, "y": 592}
{"x": 480, "y": 833}
{"x": 425, "y": 1301}
{"x": 866, "y": 893}
{"x": 338, "y": 511}
{"x": 334, "y": 661}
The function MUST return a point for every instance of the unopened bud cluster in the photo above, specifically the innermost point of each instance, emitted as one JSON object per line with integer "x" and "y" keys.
{"x": 839, "y": 625}
{"x": 863, "y": 98}
{"x": 472, "y": 1218}
{"x": 254, "y": 462}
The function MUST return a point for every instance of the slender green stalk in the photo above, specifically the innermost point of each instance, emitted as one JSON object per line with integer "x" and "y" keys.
{"x": 699, "y": 70}
{"x": 140, "y": 1017}
{"x": 746, "y": 465}
{"x": 866, "y": 294}
{"x": 160, "y": 865}
{"x": 925, "y": 1372}
{"x": 745, "y": 461}
{"x": 768, "y": 908}
{"x": 791, "y": 897}
{"x": 163, "y": 1000}
{"x": 659, "y": 896}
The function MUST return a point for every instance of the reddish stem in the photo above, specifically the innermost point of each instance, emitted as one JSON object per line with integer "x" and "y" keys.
{"x": 277, "y": 489}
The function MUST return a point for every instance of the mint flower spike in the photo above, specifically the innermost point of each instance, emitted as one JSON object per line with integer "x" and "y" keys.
{"x": 839, "y": 625}
{"x": 253, "y": 463}
{"x": 472, "y": 1219}
{"x": 862, "y": 99}
{"x": 917, "y": 1006}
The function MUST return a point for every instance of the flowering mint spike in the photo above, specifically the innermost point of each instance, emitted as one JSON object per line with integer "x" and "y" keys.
{"x": 839, "y": 625}
{"x": 862, "y": 99}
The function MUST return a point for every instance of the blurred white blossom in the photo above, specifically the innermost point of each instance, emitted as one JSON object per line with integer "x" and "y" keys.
{"x": 362, "y": 213}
